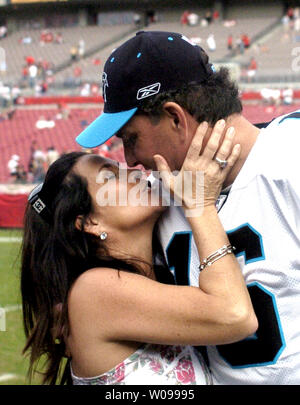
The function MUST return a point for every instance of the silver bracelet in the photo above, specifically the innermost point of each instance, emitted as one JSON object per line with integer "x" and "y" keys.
{"x": 223, "y": 251}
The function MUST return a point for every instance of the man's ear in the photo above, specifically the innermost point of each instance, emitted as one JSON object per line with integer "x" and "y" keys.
{"x": 87, "y": 225}
{"x": 178, "y": 116}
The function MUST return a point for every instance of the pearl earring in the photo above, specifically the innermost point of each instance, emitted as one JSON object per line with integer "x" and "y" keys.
{"x": 103, "y": 235}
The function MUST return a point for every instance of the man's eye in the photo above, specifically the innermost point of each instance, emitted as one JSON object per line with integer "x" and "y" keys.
{"x": 129, "y": 141}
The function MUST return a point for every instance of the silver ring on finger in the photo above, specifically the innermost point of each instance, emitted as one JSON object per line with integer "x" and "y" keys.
{"x": 221, "y": 163}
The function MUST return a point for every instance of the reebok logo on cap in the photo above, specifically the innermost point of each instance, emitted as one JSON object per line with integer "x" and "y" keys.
{"x": 148, "y": 91}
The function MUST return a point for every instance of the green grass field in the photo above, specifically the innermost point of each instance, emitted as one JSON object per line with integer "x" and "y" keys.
{"x": 13, "y": 365}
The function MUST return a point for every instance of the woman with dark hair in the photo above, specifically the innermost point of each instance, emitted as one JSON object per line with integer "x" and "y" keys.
{"x": 90, "y": 290}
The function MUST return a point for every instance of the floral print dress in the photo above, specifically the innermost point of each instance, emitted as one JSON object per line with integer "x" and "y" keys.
{"x": 154, "y": 365}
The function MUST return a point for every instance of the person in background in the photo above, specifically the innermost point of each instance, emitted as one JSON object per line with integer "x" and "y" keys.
{"x": 12, "y": 166}
{"x": 230, "y": 42}
{"x": 94, "y": 285}
{"x": 155, "y": 107}
{"x": 252, "y": 69}
{"x": 211, "y": 43}
{"x": 51, "y": 156}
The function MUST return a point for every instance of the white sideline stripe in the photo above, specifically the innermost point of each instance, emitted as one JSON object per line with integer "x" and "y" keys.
{"x": 6, "y": 377}
{"x": 11, "y": 308}
{"x": 6, "y": 239}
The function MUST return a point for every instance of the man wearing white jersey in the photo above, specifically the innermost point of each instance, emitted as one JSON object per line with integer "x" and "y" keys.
{"x": 157, "y": 88}
{"x": 260, "y": 213}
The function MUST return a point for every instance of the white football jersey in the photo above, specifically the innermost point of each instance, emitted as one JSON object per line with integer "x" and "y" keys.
{"x": 261, "y": 216}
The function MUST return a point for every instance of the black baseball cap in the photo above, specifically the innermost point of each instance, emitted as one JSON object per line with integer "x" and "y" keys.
{"x": 149, "y": 63}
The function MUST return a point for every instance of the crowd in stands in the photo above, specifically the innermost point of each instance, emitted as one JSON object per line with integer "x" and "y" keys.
{"x": 191, "y": 18}
{"x": 36, "y": 168}
{"x": 33, "y": 168}
{"x": 46, "y": 37}
{"x": 9, "y": 97}
{"x": 291, "y": 19}
{"x": 77, "y": 51}
{"x": 47, "y": 51}
{"x": 276, "y": 97}
{"x": 237, "y": 44}
{"x": 241, "y": 43}
{"x": 220, "y": 37}
{"x": 38, "y": 75}
{"x": 34, "y": 171}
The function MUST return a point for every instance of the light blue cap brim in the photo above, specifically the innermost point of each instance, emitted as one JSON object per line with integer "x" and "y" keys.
{"x": 103, "y": 128}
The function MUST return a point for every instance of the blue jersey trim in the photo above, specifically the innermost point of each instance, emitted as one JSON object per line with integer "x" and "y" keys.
{"x": 172, "y": 268}
{"x": 293, "y": 115}
{"x": 280, "y": 331}
{"x": 243, "y": 253}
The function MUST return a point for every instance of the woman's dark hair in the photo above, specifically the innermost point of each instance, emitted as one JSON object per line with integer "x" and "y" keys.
{"x": 54, "y": 254}
{"x": 212, "y": 100}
